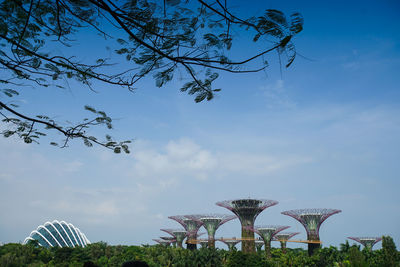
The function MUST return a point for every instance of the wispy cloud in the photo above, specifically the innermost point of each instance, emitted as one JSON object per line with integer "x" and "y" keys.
{"x": 277, "y": 96}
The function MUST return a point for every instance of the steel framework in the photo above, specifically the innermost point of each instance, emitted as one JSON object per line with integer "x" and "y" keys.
{"x": 211, "y": 223}
{"x": 311, "y": 219}
{"x": 247, "y": 211}
{"x": 179, "y": 235}
{"x": 367, "y": 242}
{"x": 283, "y": 238}
{"x": 267, "y": 232}
{"x": 231, "y": 243}
{"x": 191, "y": 226}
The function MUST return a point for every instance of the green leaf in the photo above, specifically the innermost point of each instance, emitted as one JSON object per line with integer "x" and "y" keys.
{"x": 89, "y": 108}
{"x": 9, "y": 92}
{"x": 297, "y": 21}
{"x": 87, "y": 142}
{"x": 173, "y": 2}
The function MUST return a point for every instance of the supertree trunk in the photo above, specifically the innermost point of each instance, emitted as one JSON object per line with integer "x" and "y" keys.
{"x": 268, "y": 249}
{"x": 248, "y": 243}
{"x": 283, "y": 247}
{"x": 211, "y": 242}
{"x": 312, "y": 247}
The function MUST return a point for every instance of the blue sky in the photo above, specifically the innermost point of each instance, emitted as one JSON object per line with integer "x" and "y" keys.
{"x": 325, "y": 133}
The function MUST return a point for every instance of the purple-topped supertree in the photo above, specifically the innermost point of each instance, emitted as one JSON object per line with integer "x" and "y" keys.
{"x": 163, "y": 242}
{"x": 367, "y": 242}
{"x": 247, "y": 211}
{"x": 211, "y": 222}
{"x": 267, "y": 232}
{"x": 203, "y": 243}
{"x": 283, "y": 238}
{"x": 172, "y": 239}
{"x": 191, "y": 226}
{"x": 259, "y": 243}
{"x": 231, "y": 243}
{"x": 311, "y": 219}
{"x": 179, "y": 235}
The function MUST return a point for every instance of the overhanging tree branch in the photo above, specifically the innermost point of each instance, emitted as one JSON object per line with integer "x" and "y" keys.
{"x": 156, "y": 38}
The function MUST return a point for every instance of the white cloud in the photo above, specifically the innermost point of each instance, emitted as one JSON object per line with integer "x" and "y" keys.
{"x": 72, "y": 166}
{"x": 276, "y": 95}
{"x": 184, "y": 159}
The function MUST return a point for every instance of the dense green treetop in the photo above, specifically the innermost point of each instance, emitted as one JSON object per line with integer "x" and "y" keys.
{"x": 158, "y": 39}
{"x": 101, "y": 254}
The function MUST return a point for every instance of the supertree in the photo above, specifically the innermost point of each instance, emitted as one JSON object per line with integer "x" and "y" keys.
{"x": 311, "y": 219}
{"x": 179, "y": 235}
{"x": 172, "y": 239}
{"x": 267, "y": 232}
{"x": 283, "y": 238}
{"x": 203, "y": 243}
{"x": 191, "y": 226}
{"x": 259, "y": 243}
{"x": 367, "y": 242}
{"x": 211, "y": 223}
{"x": 231, "y": 243}
{"x": 247, "y": 211}
{"x": 163, "y": 242}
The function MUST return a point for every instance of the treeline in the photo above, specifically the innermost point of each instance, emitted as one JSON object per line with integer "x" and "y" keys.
{"x": 102, "y": 254}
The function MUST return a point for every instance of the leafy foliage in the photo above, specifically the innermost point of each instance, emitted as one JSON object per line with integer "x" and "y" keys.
{"x": 102, "y": 254}
{"x": 157, "y": 39}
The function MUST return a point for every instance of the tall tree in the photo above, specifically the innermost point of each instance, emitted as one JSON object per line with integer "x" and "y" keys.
{"x": 157, "y": 38}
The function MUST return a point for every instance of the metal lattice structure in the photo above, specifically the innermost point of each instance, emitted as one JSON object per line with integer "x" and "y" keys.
{"x": 211, "y": 223}
{"x": 267, "y": 232}
{"x": 163, "y": 242}
{"x": 283, "y": 238}
{"x": 367, "y": 242}
{"x": 179, "y": 234}
{"x": 172, "y": 239}
{"x": 231, "y": 243}
{"x": 247, "y": 211}
{"x": 311, "y": 219}
{"x": 58, "y": 234}
{"x": 191, "y": 226}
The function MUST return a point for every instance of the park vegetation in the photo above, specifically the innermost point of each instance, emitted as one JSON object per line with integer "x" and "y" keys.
{"x": 102, "y": 254}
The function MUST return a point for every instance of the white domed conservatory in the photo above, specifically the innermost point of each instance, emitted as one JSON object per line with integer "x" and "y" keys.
{"x": 58, "y": 234}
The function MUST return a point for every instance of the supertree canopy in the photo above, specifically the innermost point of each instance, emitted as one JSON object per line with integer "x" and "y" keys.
{"x": 211, "y": 223}
{"x": 283, "y": 238}
{"x": 168, "y": 238}
{"x": 311, "y": 219}
{"x": 267, "y": 232}
{"x": 231, "y": 243}
{"x": 247, "y": 211}
{"x": 367, "y": 242}
{"x": 179, "y": 235}
{"x": 163, "y": 242}
{"x": 259, "y": 243}
{"x": 171, "y": 239}
{"x": 204, "y": 243}
{"x": 191, "y": 226}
